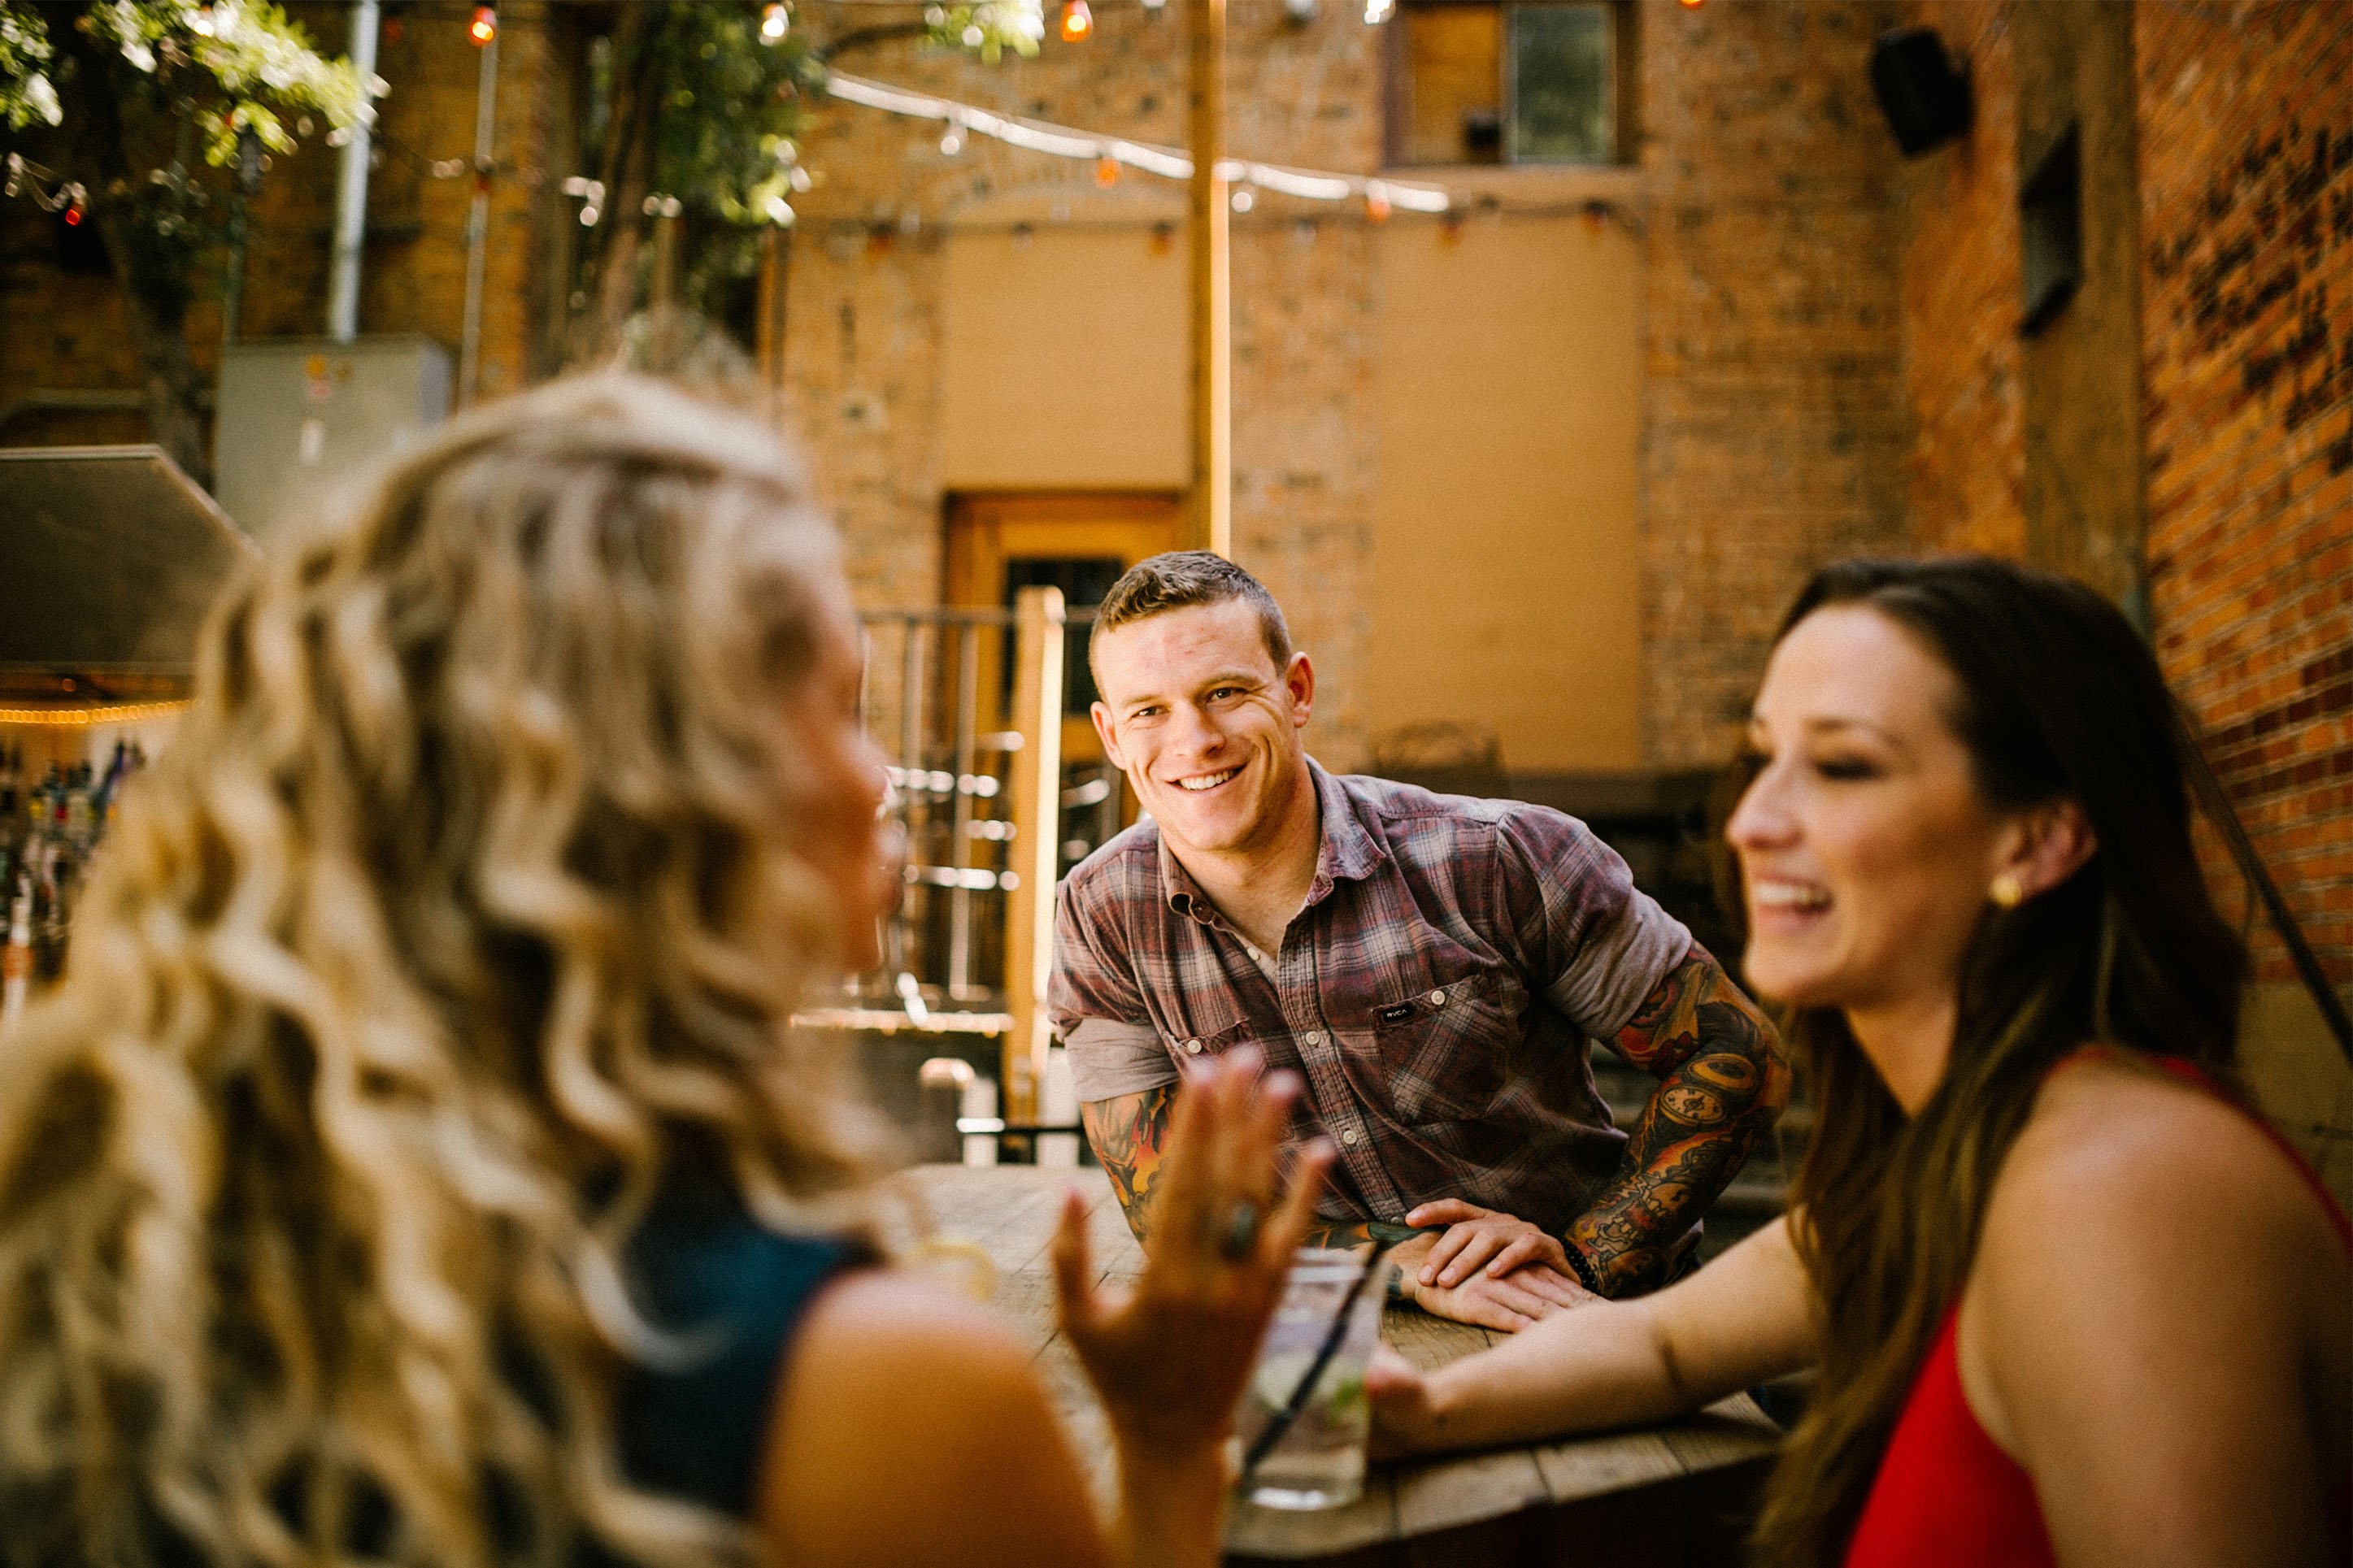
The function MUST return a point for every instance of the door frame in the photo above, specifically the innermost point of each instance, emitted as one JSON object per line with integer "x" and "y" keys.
{"x": 1078, "y": 521}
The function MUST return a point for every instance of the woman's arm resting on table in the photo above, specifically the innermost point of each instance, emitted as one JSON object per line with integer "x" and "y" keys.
{"x": 2159, "y": 1328}
{"x": 1745, "y": 1318}
{"x": 913, "y": 1428}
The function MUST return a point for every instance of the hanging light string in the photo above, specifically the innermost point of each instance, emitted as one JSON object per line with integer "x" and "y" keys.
{"x": 1168, "y": 163}
{"x": 25, "y": 178}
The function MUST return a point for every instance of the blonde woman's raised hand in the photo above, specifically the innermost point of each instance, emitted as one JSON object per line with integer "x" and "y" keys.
{"x": 1169, "y": 1354}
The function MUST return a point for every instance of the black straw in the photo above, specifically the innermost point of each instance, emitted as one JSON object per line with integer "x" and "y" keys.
{"x": 1288, "y": 1416}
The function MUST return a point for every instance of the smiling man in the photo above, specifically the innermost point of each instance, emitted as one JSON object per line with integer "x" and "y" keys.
{"x": 1435, "y": 968}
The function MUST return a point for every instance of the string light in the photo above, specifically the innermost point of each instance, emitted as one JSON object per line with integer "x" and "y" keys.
{"x": 952, "y": 139}
{"x": 1242, "y": 199}
{"x": 1378, "y": 11}
{"x": 485, "y": 26}
{"x": 1078, "y": 22}
{"x": 73, "y": 214}
{"x": 1167, "y": 162}
{"x": 775, "y": 21}
{"x": 1376, "y": 205}
{"x": 77, "y": 717}
{"x": 1107, "y": 171}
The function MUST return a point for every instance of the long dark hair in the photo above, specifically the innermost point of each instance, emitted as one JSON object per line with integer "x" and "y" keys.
{"x": 2058, "y": 699}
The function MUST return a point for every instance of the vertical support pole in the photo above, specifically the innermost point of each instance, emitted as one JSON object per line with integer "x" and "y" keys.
{"x": 771, "y": 332}
{"x": 1212, "y": 291}
{"x": 351, "y": 192}
{"x": 665, "y": 303}
{"x": 1034, "y": 855}
{"x": 967, "y": 725}
{"x": 477, "y": 227}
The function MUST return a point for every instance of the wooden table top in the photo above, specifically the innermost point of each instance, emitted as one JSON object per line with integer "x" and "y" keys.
{"x": 1008, "y": 1212}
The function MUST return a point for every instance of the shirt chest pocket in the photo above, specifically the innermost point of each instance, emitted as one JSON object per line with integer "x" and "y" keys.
{"x": 1215, "y": 1039}
{"x": 1444, "y": 1051}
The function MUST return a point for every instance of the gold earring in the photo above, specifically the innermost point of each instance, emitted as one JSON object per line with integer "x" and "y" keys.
{"x": 2007, "y": 892}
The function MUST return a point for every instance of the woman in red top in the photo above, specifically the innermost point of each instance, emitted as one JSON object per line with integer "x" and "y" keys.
{"x": 2070, "y": 1302}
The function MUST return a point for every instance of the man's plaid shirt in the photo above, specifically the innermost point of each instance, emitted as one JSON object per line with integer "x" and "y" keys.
{"x": 1438, "y": 993}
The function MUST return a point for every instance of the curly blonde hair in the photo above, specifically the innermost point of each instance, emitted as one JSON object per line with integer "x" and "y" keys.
{"x": 468, "y": 900}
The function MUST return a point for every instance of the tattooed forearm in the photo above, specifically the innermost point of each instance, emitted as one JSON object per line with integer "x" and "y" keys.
{"x": 1722, "y": 1084}
{"x": 1342, "y": 1233}
{"x": 1129, "y": 1133}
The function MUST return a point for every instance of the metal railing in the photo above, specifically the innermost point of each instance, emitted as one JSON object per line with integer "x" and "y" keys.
{"x": 967, "y": 704}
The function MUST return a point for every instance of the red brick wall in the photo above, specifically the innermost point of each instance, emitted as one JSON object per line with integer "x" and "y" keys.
{"x": 66, "y": 330}
{"x": 1774, "y": 432}
{"x": 2246, "y": 128}
{"x": 1957, "y": 215}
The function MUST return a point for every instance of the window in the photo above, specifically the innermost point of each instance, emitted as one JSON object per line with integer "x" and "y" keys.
{"x": 2051, "y": 229}
{"x": 1477, "y": 83}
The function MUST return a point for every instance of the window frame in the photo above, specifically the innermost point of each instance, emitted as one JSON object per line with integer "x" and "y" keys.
{"x": 1625, "y": 76}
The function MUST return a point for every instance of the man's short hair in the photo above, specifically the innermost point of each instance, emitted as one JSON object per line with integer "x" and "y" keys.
{"x": 1181, "y": 579}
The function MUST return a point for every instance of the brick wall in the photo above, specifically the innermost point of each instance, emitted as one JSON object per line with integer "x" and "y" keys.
{"x": 1774, "y": 430}
{"x": 1957, "y": 211}
{"x": 2246, "y": 127}
{"x": 866, "y": 276}
{"x": 61, "y": 330}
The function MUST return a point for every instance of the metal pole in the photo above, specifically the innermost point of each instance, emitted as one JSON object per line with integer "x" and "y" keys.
{"x": 478, "y": 228}
{"x": 1212, "y": 294}
{"x": 967, "y": 724}
{"x": 351, "y": 193}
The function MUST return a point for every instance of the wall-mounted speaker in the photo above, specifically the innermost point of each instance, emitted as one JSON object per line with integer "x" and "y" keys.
{"x": 1924, "y": 98}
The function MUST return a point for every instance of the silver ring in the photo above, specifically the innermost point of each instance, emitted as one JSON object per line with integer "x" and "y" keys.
{"x": 1241, "y": 1236}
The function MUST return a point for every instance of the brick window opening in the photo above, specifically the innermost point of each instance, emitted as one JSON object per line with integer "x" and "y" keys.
{"x": 2051, "y": 232}
{"x": 1480, "y": 83}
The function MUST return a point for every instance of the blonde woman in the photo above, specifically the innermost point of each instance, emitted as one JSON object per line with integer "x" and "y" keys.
{"x": 414, "y": 1165}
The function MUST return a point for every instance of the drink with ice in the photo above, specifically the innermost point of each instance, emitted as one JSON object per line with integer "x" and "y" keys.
{"x": 1320, "y": 1461}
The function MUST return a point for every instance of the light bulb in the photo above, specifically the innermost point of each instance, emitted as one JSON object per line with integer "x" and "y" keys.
{"x": 1106, "y": 171}
{"x": 1078, "y": 22}
{"x": 201, "y": 24}
{"x": 1243, "y": 199}
{"x": 775, "y": 20}
{"x": 485, "y": 26}
{"x": 952, "y": 139}
{"x": 1378, "y": 11}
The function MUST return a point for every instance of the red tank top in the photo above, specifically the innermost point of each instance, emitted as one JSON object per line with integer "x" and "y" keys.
{"x": 1946, "y": 1497}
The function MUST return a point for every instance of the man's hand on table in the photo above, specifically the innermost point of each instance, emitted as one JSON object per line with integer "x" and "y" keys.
{"x": 1488, "y": 1268}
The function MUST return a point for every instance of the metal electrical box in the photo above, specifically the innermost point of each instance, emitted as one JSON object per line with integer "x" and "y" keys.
{"x": 299, "y": 418}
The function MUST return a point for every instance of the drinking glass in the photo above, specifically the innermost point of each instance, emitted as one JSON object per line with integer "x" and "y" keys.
{"x": 1320, "y": 1461}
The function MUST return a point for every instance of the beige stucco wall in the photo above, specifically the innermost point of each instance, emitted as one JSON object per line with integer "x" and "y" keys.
{"x": 1505, "y": 583}
{"x": 1063, "y": 359}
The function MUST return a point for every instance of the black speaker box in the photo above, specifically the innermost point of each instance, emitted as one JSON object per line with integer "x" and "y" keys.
{"x": 1925, "y": 100}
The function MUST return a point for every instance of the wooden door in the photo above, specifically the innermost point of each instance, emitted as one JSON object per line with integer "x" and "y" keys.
{"x": 1000, "y": 543}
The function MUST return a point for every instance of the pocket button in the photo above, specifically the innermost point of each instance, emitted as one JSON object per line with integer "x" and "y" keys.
{"x": 1194, "y": 1046}
{"x": 1438, "y": 998}
{"x": 1311, "y": 1038}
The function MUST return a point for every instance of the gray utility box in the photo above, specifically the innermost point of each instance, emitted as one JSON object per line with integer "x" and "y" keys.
{"x": 300, "y": 417}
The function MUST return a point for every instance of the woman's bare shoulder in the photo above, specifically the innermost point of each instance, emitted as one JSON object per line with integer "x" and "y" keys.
{"x": 2120, "y": 1160}
{"x": 878, "y": 1331}
{"x": 913, "y": 1425}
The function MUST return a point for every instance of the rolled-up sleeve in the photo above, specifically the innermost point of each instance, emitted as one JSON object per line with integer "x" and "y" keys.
{"x": 1598, "y": 943}
{"x": 1097, "y": 1011}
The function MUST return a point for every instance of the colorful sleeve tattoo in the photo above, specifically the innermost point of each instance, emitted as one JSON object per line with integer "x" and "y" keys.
{"x": 1129, "y": 1133}
{"x": 1722, "y": 1084}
